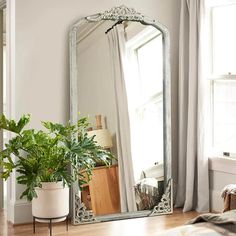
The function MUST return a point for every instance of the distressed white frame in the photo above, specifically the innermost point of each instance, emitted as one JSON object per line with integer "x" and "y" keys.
{"x": 124, "y": 13}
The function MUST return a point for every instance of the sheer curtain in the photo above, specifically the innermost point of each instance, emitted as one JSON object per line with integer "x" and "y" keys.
{"x": 193, "y": 180}
{"x": 116, "y": 41}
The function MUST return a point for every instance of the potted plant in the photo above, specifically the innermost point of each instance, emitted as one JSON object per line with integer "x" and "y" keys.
{"x": 42, "y": 159}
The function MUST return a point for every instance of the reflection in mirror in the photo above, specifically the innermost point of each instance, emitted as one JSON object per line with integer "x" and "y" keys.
{"x": 120, "y": 77}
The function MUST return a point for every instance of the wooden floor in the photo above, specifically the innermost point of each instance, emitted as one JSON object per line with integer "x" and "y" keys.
{"x": 132, "y": 227}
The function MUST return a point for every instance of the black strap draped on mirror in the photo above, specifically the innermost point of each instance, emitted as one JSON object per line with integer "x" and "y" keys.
{"x": 117, "y": 23}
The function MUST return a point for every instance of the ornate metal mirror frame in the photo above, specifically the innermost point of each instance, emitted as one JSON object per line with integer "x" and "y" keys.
{"x": 79, "y": 213}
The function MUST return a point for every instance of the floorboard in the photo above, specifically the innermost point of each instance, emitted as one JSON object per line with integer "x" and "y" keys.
{"x": 132, "y": 227}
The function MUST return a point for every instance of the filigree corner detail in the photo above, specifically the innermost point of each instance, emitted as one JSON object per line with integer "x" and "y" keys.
{"x": 165, "y": 205}
{"x": 82, "y": 215}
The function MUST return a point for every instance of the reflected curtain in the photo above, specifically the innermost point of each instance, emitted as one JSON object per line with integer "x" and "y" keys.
{"x": 116, "y": 39}
{"x": 193, "y": 180}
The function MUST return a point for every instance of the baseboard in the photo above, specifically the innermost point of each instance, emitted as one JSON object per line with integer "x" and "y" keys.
{"x": 10, "y": 211}
{"x": 22, "y": 212}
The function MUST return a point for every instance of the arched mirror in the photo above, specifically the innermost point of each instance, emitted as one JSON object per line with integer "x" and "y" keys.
{"x": 120, "y": 77}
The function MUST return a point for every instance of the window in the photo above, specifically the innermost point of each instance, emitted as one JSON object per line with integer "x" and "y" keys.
{"x": 149, "y": 56}
{"x": 223, "y": 79}
{"x": 224, "y": 38}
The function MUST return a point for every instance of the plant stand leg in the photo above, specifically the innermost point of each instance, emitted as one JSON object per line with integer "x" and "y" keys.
{"x": 34, "y": 225}
{"x": 67, "y": 223}
{"x": 50, "y": 227}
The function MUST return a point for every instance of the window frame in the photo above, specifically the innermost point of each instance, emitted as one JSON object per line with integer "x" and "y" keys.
{"x": 212, "y": 76}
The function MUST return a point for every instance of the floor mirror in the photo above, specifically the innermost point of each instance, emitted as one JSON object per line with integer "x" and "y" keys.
{"x": 120, "y": 78}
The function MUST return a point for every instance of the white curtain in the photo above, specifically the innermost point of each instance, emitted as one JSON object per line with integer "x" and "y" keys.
{"x": 116, "y": 38}
{"x": 193, "y": 182}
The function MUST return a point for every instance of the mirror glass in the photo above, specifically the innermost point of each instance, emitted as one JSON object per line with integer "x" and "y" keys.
{"x": 120, "y": 85}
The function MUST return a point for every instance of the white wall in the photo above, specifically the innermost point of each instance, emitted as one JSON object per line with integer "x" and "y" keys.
{"x": 95, "y": 87}
{"x": 42, "y": 58}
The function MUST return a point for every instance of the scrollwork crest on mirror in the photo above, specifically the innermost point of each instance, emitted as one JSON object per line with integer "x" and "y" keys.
{"x": 118, "y": 13}
{"x": 122, "y": 13}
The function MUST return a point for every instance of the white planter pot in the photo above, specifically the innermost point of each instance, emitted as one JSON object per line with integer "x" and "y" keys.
{"x": 52, "y": 201}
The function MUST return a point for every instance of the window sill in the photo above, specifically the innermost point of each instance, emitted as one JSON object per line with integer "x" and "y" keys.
{"x": 222, "y": 164}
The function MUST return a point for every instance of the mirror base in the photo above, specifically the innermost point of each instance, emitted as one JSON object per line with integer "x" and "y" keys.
{"x": 84, "y": 216}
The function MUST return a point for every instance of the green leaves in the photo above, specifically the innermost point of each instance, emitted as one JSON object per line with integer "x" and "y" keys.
{"x": 83, "y": 123}
{"x": 12, "y": 126}
{"x": 45, "y": 156}
{"x": 24, "y": 120}
{"x": 60, "y": 129}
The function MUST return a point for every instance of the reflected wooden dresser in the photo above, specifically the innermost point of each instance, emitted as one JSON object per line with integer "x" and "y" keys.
{"x": 101, "y": 194}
